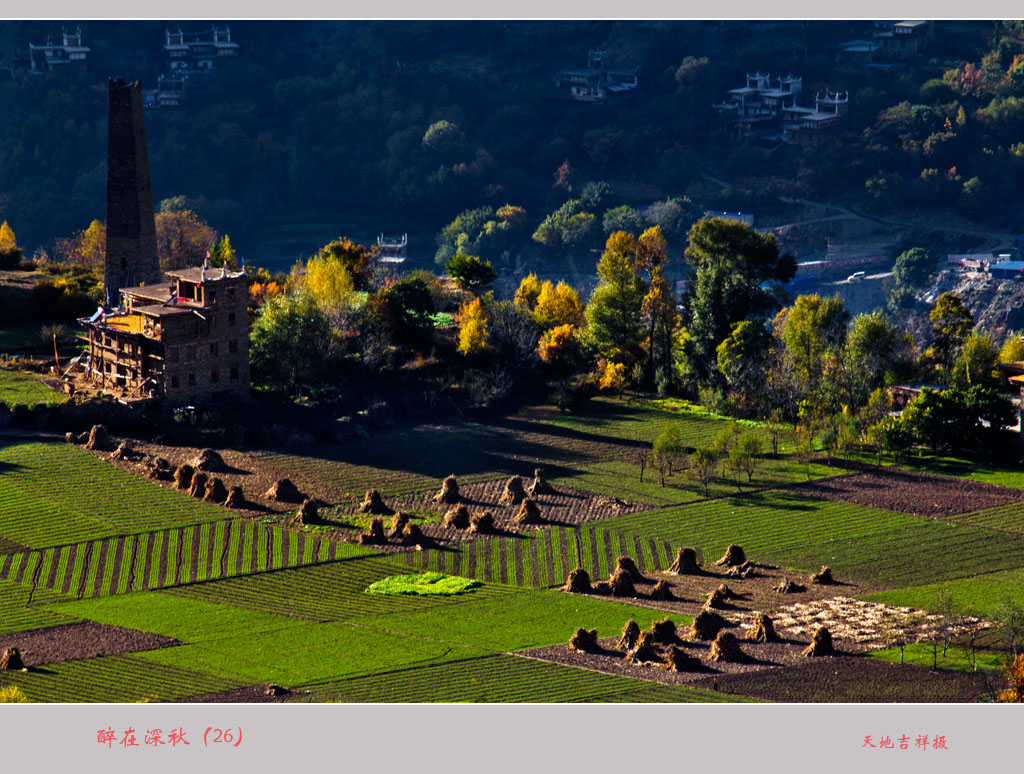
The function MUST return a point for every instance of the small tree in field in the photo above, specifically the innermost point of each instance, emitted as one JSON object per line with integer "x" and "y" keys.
{"x": 703, "y": 463}
{"x": 750, "y": 446}
{"x": 641, "y": 457}
{"x": 668, "y": 447}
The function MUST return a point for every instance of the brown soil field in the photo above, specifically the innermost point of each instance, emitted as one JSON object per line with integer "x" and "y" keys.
{"x": 67, "y": 642}
{"x": 852, "y": 679}
{"x": 905, "y": 491}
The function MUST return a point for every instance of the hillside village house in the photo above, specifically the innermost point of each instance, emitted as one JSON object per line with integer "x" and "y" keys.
{"x": 181, "y": 342}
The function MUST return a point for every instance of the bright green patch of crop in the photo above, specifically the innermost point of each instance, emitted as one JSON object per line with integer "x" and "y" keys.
{"x": 427, "y": 584}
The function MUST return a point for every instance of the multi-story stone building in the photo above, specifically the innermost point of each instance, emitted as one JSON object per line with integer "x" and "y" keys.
{"x": 177, "y": 343}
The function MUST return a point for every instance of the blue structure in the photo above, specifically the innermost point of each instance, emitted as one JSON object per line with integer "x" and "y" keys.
{"x": 1007, "y": 270}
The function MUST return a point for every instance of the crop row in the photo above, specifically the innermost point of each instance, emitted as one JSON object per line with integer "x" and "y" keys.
{"x": 114, "y": 679}
{"x": 543, "y": 558}
{"x": 170, "y": 557}
{"x": 20, "y": 608}
{"x": 1006, "y": 518}
{"x": 501, "y": 678}
{"x": 860, "y": 543}
{"x": 56, "y": 493}
{"x": 326, "y": 592}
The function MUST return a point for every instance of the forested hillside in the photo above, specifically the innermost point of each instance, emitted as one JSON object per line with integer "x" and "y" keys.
{"x": 320, "y": 129}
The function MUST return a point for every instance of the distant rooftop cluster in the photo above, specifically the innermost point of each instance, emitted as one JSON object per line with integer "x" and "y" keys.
{"x": 766, "y": 109}
{"x": 190, "y": 57}
{"x": 43, "y": 58}
{"x": 596, "y": 82}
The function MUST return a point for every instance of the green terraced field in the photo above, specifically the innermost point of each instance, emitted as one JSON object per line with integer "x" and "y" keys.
{"x": 527, "y": 619}
{"x": 542, "y": 558}
{"x": 153, "y": 560}
{"x": 1007, "y": 518}
{"x": 859, "y": 543}
{"x": 328, "y": 592}
{"x": 27, "y": 389}
{"x": 114, "y": 679}
{"x": 22, "y": 609}
{"x": 89, "y": 499}
{"x": 308, "y": 652}
{"x": 504, "y": 679}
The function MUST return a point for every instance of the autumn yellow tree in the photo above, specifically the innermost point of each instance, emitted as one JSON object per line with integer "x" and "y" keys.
{"x": 557, "y": 305}
{"x": 329, "y": 282}
{"x": 473, "y": 333}
{"x": 658, "y": 308}
{"x": 527, "y": 293}
{"x": 7, "y": 239}
{"x": 86, "y": 248}
{"x": 1013, "y": 693}
{"x": 559, "y": 346}
{"x": 10, "y": 255}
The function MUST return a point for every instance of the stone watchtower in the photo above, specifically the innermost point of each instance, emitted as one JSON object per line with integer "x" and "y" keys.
{"x": 131, "y": 227}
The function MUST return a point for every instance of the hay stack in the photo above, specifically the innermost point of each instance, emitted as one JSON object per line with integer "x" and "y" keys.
{"x": 216, "y": 492}
{"x": 529, "y": 513}
{"x": 374, "y": 503}
{"x": 611, "y": 502}
{"x": 210, "y": 461}
{"x": 275, "y": 690}
{"x": 198, "y": 486}
{"x": 716, "y": 600}
{"x": 235, "y": 498}
{"x": 375, "y": 535}
{"x": 578, "y": 582}
{"x": 584, "y": 641}
{"x": 449, "y": 491}
{"x": 664, "y": 631}
{"x": 645, "y": 651}
{"x": 727, "y": 593}
{"x": 734, "y": 556}
{"x": 70, "y": 437}
{"x": 741, "y": 571}
{"x": 621, "y": 585}
{"x": 284, "y": 491}
{"x": 763, "y": 630}
{"x": 308, "y": 513}
{"x": 685, "y": 563}
{"x": 707, "y": 625}
{"x": 726, "y": 648}
{"x": 630, "y": 634}
{"x": 678, "y": 660}
{"x": 413, "y": 536}
{"x": 10, "y": 660}
{"x": 160, "y": 469}
{"x": 786, "y": 586}
{"x": 602, "y": 587}
{"x": 183, "y": 476}
{"x": 398, "y": 526}
{"x": 539, "y": 485}
{"x": 821, "y": 644}
{"x": 98, "y": 440}
{"x": 823, "y": 576}
{"x": 628, "y": 566}
{"x": 482, "y": 523}
{"x": 662, "y": 591}
{"x": 457, "y": 517}
{"x": 125, "y": 451}
{"x": 513, "y": 493}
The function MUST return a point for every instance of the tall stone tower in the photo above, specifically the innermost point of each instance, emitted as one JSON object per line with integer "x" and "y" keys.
{"x": 131, "y": 227}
